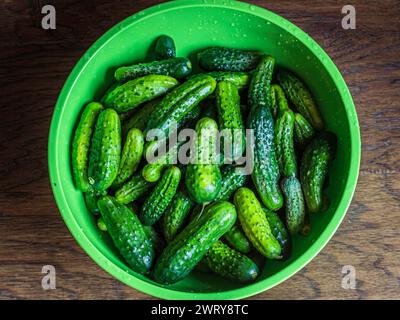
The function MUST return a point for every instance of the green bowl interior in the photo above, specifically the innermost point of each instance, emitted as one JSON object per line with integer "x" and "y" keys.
{"x": 194, "y": 26}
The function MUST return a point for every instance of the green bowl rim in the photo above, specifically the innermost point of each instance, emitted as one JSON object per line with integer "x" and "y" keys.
{"x": 251, "y": 289}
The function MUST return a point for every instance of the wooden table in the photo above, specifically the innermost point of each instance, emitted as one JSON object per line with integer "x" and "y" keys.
{"x": 34, "y": 64}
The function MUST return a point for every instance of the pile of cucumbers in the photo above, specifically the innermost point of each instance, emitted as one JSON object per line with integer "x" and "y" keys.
{"x": 166, "y": 219}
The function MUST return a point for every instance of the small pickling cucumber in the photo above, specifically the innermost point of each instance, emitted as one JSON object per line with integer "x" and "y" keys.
{"x": 174, "y": 67}
{"x": 81, "y": 145}
{"x": 133, "y": 189}
{"x": 128, "y": 234}
{"x": 165, "y": 48}
{"x": 279, "y": 103}
{"x": 203, "y": 177}
{"x": 130, "y": 157}
{"x": 303, "y": 131}
{"x": 179, "y": 102}
{"x": 279, "y": 231}
{"x": 176, "y": 214}
{"x": 240, "y": 79}
{"x": 284, "y": 143}
{"x": 139, "y": 117}
{"x": 189, "y": 247}
{"x": 105, "y": 150}
{"x": 160, "y": 197}
{"x": 228, "y": 59}
{"x": 152, "y": 171}
{"x": 230, "y": 121}
{"x": 314, "y": 168}
{"x": 232, "y": 179}
{"x": 294, "y": 204}
{"x": 131, "y": 94}
{"x": 230, "y": 264}
{"x": 255, "y": 224}
{"x": 300, "y": 97}
{"x": 91, "y": 198}
{"x": 237, "y": 239}
{"x": 265, "y": 173}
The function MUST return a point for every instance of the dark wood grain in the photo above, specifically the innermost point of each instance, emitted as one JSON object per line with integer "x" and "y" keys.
{"x": 34, "y": 64}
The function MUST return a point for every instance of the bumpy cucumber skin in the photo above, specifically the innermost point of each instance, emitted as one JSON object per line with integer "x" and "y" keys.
{"x": 130, "y": 157}
{"x": 255, "y": 224}
{"x": 105, "y": 150}
{"x": 133, "y": 189}
{"x": 159, "y": 199}
{"x": 189, "y": 247}
{"x": 91, "y": 198}
{"x": 314, "y": 169}
{"x": 228, "y": 59}
{"x": 81, "y": 145}
{"x": 300, "y": 96}
{"x": 203, "y": 177}
{"x": 240, "y": 79}
{"x": 279, "y": 102}
{"x": 128, "y": 234}
{"x": 165, "y": 48}
{"x": 237, "y": 239}
{"x": 284, "y": 144}
{"x": 294, "y": 204}
{"x": 131, "y": 94}
{"x": 175, "y": 215}
{"x": 303, "y": 131}
{"x": 174, "y": 67}
{"x": 265, "y": 173}
{"x": 178, "y": 103}
{"x": 232, "y": 180}
{"x": 230, "y": 118}
{"x": 139, "y": 118}
{"x": 279, "y": 231}
{"x": 230, "y": 264}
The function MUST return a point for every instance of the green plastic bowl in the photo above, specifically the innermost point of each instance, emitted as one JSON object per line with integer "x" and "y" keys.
{"x": 195, "y": 25}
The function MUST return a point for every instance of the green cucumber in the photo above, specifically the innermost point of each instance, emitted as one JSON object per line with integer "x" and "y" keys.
{"x": 178, "y": 103}
{"x": 175, "y": 215}
{"x": 139, "y": 118}
{"x": 255, "y": 224}
{"x": 165, "y": 48}
{"x": 105, "y": 150}
{"x": 232, "y": 179}
{"x": 133, "y": 189}
{"x": 91, "y": 198}
{"x": 189, "y": 247}
{"x": 203, "y": 177}
{"x": 284, "y": 143}
{"x": 303, "y": 131}
{"x": 130, "y": 157}
{"x": 152, "y": 171}
{"x": 174, "y": 67}
{"x": 265, "y": 173}
{"x": 279, "y": 231}
{"x": 240, "y": 79}
{"x": 314, "y": 169}
{"x": 300, "y": 97}
{"x": 279, "y": 103}
{"x": 228, "y": 59}
{"x": 81, "y": 145}
{"x": 237, "y": 239}
{"x": 230, "y": 264}
{"x": 158, "y": 200}
{"x": 230, "y": 120}
{"x": 133, "y": 93}
{"x": 128, "y": 234}
{"x": 294, "y": 204}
